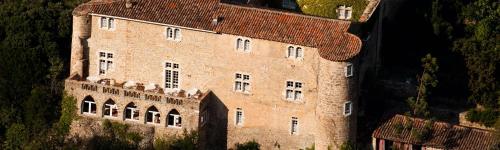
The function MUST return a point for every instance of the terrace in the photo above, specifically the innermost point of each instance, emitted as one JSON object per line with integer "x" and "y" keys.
{"x": 136, "y": 102}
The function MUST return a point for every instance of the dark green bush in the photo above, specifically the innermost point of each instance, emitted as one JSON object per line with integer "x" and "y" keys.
{"x": 250, "y": 145}
{"x": 188, "y": 141}
{"x": 486, "y": 117}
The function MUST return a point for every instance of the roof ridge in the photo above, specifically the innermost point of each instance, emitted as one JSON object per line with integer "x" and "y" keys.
{"x": 283, "y": 12}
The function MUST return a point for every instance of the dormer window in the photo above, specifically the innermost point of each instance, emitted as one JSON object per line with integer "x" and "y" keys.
{"x": 173, "y": 34}
{"x": 295, "y": 52}
{"x": 107, "y": 23}
{"x": 289, "y": 4}
{"x": 243, "y": 44}
{"x": 344, "y": 12}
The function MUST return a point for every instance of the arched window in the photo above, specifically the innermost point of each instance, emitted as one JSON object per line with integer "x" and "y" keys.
{"x": 110, "y": 109}
{"x": 239, "y": 44}
{"x": 170, "y": 33}
{"x": 131, "y": 112}
{"x": 247, "y": 45}
{"x": 299, "y": 53}
{"x": 291, "y": 52}
{"x": 177, "y": 34}
{"x": 88, "y": 105}
{"x": 174, "y": 119}
{"x": 152, "y": 115}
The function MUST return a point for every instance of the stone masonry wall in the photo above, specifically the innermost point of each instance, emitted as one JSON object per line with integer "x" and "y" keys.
{"x": 209, "y": 61}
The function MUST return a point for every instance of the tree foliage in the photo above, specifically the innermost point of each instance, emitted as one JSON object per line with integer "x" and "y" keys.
{"x": 34, "y": 51}
{"x": 427, "y": 80}
{"x": 481, "y": 51}
{"x": 187, "y": 141}
{"x": 250, "y": 145}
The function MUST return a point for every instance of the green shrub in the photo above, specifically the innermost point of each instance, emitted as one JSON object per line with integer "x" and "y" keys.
{"x": 486, "y": 117}
{"x": 188, "y": 141}
{"x": 250, "y": 145}
{"x": 68, "y": 114}
{"x": 347, "y": 146}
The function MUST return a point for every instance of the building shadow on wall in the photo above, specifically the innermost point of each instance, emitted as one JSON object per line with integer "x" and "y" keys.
{"x": 213, "y": 123}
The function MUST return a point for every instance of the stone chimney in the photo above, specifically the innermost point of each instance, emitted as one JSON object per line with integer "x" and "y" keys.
{"x": 129, "y": 3}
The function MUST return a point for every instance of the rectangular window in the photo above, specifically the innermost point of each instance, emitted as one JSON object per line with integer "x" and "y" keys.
{"x": 132, "y": 113}
{"x": 239, "y": 117}
{"x": 107, "y": 23}
{"x": 172, "y": 75}
{"x": 349, "y": 70}
{"x": 293, "y": 90}
{"x": 111, "y": 23}
{"x": 104, "y": 22}
{"x": 347, "y": 108}
{"x": 294, "y": 129}
{"x": 242, "y": 83}
{"x": 105, "y": 62}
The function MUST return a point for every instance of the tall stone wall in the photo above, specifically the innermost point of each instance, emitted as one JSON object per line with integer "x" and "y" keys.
{"x": 209, "y": 61}
{"x": 81, "y": 32}
{"x": 333, "y": 126}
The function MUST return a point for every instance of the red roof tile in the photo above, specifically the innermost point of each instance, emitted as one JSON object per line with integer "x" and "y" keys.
{"x": 443, "y": 135}
{"x": 328, "y": 35}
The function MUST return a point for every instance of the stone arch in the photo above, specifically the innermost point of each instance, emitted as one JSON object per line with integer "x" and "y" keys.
{"x": 88, "y": 105}
{"x": 131, "y": 112}
{"x": 174, "y": 119}
{"x": 152, "y": 116}
{"x": 110, "y": 108}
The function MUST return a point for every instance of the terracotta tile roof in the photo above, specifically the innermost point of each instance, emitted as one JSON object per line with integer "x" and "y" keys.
{"x": 330, "y": 36}
{"x": 443, "y": 135}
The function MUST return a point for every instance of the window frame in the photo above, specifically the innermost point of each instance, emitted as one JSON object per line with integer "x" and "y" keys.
{"x": 172, "y": 69}
{"x": 294, "y": 51}
{"x": 241, "y": 44}
{"x": 241, "y": 120}
{"x": 294, "y": 90}
{"x": 242, "y": 82}
{"x": 109, "y": 24}
{"x": 132, "y": 110}
{"x": 89, "y": 105}
{"x": 349, "y": 70}
{"x": 347, "y": 104}
{"x": 294, "y": 122}
{"x": 106, "y": 60}
{"x": 173, "y": 33}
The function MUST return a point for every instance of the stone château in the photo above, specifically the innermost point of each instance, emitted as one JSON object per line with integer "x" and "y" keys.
{"x": 233, "y": 72}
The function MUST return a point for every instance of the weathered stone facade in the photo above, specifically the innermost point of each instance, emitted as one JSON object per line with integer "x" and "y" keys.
{"x": 208, "y": 61}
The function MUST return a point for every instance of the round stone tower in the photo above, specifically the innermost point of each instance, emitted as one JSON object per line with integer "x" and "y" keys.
{"x": 81, "y": 32}
{"x": 334, "y": 126}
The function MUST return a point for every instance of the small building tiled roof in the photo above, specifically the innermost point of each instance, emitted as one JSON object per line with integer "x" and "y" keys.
{"x": 330, "y": 36}
{"x": 443, "y": 135}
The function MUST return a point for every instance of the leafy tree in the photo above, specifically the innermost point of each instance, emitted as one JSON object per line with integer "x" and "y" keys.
{"x": 35, "y": 38}
{"x": 480, "y": 49}
{"x": 16, "y": 137}
{"x": 426, "y": 81}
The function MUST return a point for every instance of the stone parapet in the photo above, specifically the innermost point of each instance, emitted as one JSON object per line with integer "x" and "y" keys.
{"x": 187, "y": 107}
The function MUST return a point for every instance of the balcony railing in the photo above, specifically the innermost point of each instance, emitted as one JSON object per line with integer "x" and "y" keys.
{"x": 138, "y": 92}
